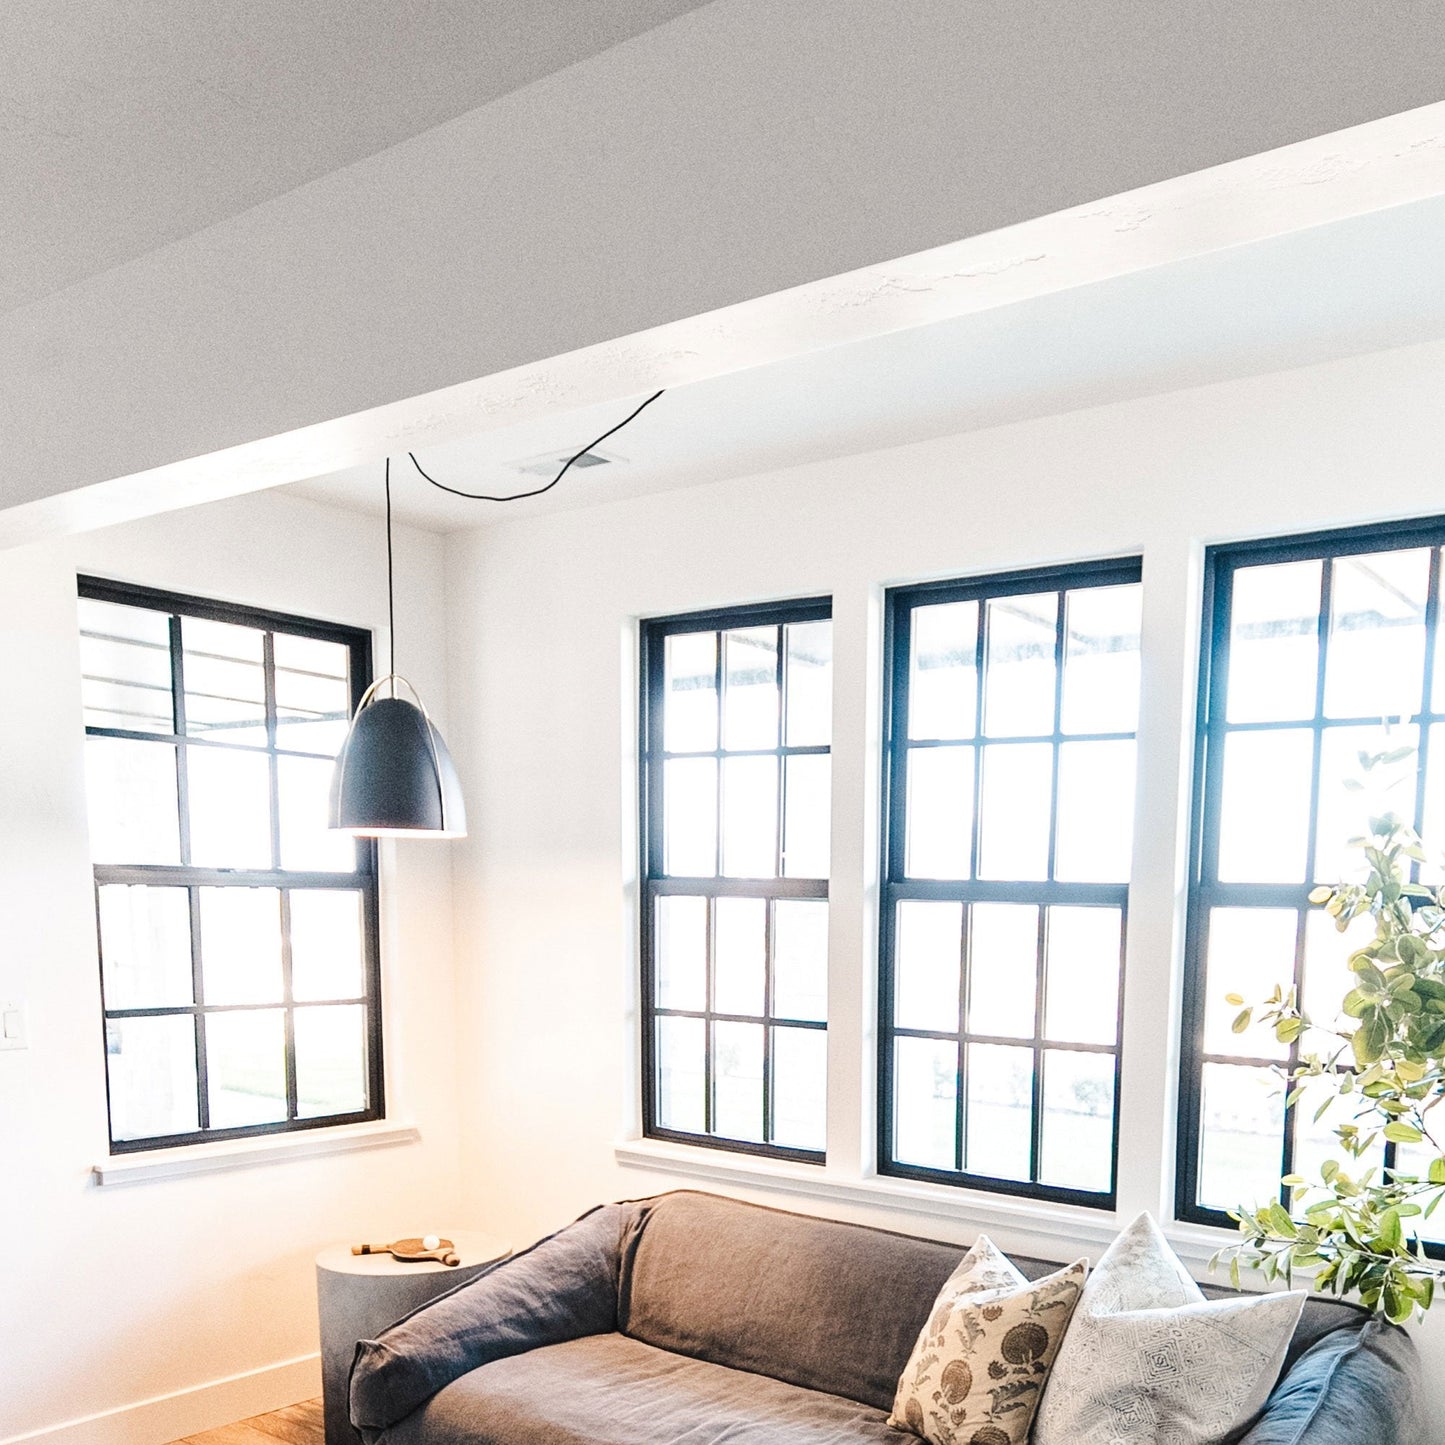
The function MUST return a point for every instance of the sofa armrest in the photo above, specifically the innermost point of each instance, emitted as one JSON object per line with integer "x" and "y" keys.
{"x": 560, "y": 1289}
{"x": 1350, "y": 1386}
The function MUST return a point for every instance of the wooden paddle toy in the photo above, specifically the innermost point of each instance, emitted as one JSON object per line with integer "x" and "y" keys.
{"x": 414, "y": 1251}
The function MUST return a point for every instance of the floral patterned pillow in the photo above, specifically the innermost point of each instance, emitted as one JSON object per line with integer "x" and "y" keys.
{"x": 979, "y": 1367}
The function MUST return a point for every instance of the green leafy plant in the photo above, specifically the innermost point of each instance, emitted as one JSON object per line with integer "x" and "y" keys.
{"x": 1356, "y": 1226}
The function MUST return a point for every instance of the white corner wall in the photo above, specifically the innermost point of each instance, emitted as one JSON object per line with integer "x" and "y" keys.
{"x": 542, "y": 617}
{"x": 150, "y": 1311}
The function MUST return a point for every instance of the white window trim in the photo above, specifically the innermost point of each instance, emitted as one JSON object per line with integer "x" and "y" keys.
{"x": 150, "y": 1166}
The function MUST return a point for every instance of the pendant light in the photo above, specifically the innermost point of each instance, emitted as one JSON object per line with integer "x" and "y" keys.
{"x": 394, "y": 776}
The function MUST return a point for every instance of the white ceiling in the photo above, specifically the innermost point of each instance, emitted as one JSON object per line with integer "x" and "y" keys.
{"x": 1359, "y": 285}
{"x": 125, "y": 124}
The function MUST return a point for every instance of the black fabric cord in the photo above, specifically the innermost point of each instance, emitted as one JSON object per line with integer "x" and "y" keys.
{"x": 537, "y": 492}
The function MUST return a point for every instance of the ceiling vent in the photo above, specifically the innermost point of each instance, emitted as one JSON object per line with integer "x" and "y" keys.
{"x": 549, "y": 465}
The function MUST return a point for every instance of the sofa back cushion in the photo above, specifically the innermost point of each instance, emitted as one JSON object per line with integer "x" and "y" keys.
{"x": 829, "y": 1306}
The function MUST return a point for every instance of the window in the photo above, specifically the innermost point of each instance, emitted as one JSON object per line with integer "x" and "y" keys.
{"x": 1010, "y": 802}
{"x": 1310, "y": 644}
{"x": 237, "y": 935}
{"x": 737, "y": 718}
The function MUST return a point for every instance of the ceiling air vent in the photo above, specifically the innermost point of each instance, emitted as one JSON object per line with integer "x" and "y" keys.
{"x": 549, "y": 466}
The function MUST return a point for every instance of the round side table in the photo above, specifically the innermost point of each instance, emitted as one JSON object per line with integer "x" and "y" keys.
{"x": 359, "y": 1295}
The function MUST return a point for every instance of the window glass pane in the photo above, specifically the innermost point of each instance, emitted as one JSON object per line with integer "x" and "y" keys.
{"x": 1250, "y": 951}
{"x": 246, "y": 1067}
{"x": 809, "y": 683}
{"x": 940, "y": 812}
{"x": 1101, "y": 659}
{"x": 330, "y": 1061}
{"x": 145, "y": 946}
{"x": 1315, "y": 1139}
{"x": 800, "y": 959}
{"x": 925, "y": 1102}
{"x": 1078, "y": 1138}
{"x": 750, "y": 817}
{"x": 1415, "y": 1159}
{"x": 313, "y": 694}
{"x": 1327, "y": 975}
{"x": 125, "y": 664}
{"x": 1345, "y": 811}
{"x": 739, "y": 955}
{"x": 1377, "y": 635}
{"x": 1242, "y": 1113}
{"x": 750, "y": 687}
{"x": 1019, "y": 683}
{"x": 808, "y": 819}
{"x": 1017, "y": 801}
{"x": 1273, "y": 642}
{"x": 1265, "y": 810}
{"x": 1081, "y": 992}
{"x": 308, "y": 845}
{"x": 327, "y": 952}
{"x": 680, "y": 1078}
{"x": 152, "y": 1068}
{"x": 241, "y": 945}
{"x": 230, "y": 808}
{"x": 1003, "y": 969}
{"x": 943, "y": 671}
{"x": 689, "y": 789}
{"x": 225, "y": 681}
{"x": 800, "y": 1088}
{"x": 1096, "y": 812}
{"x": 682, "y": 953}
{"x": 690, "y": 680}
{"x": 998, "y": 1084}
{"x": 131, "y": 794}
{"x": 927, "y": 956}
{"x": 738, "y": 1081}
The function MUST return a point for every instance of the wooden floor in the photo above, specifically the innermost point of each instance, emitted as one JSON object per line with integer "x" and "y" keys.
{"x": 295, "y": 1425}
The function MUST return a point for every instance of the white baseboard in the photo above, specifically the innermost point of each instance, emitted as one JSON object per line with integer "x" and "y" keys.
{"x": 188, "y": 1412}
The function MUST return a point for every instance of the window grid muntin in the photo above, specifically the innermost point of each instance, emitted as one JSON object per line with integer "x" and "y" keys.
{"x": 657, "y": 883}
{"x": 898, "y": 887}
{"x": 361, "y": 880}
{"x": 1213, "y": 727}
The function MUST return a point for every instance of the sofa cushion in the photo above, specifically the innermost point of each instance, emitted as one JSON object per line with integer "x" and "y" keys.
{"x": 833, "y": 1307}
{"x": 1344, "y": 1389}
{"x": 560, "y": 1288}
{"x": 610, "y": 1390}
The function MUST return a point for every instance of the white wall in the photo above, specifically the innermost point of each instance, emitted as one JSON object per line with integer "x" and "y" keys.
{"x": 114, "y": 1296}
{"x": 542, "y": 617}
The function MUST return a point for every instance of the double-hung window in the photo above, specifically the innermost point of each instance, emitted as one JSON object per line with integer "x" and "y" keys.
{"x": 736, "y": 783}
{"x": 1317, "y": 649}
{"x": 238, "y": 935}
{"x": 1013, "y": 702}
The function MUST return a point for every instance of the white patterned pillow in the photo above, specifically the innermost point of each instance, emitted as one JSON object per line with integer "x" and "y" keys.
{"x": 1147, "y": 1360}
{"x": 984, "y": 1353}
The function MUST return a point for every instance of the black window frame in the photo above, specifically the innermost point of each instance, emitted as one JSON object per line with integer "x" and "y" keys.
{"x": 1220, "y": 563}
{"x": 363, "y": 880}
{"x": 653, "y": 633}
{"x": 895, "y": 885}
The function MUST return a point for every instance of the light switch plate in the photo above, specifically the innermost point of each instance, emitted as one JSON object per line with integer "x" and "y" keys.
{"x": 14, "y": 1026}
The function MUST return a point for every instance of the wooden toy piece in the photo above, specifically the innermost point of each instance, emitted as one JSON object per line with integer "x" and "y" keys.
{"x": 414, "y": 1251}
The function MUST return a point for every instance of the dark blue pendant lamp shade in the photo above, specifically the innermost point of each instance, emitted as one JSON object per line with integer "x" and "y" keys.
{"x": 394, "y": 775}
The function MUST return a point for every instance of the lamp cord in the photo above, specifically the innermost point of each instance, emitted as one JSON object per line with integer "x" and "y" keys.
{"x": 390, "y": 587}
{"x": 537, "y": 492}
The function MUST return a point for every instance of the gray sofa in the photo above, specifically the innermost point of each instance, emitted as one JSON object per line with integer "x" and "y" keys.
{"x": 694, "y": 1319}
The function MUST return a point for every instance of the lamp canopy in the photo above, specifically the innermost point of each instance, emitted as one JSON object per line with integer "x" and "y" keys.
{"x": 394, "y": 775}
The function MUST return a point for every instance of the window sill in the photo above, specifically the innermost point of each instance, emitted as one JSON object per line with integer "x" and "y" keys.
{"x": 1063, "y": 1225}
{"x": 150, "y": 1166}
